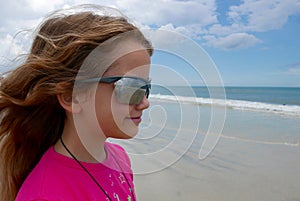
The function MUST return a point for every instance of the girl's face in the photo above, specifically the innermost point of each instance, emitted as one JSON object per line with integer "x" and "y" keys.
{"x": 115, "y": 119}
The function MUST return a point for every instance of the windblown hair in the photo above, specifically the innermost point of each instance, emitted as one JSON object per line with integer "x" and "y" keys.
{"x": 31, "y": 118}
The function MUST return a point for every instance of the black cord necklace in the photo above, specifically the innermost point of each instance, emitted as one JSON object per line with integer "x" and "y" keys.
{"x": 93, "y": 178}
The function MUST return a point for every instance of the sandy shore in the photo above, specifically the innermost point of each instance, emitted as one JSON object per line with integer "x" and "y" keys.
{"x": 234, "y": 172}
{"x": 249, "y": 165}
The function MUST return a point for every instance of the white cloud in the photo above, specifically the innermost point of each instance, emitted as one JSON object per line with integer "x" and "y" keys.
{"x": 11, "y": 47}
{"x": 193, "y": 18}
{"x": 293, "y": 71}
{"x": 218, "y": 29}
{"x": 165, "y": 38}
{"x": 257, "y": 16}
{"x": 232, "y": 42}
{"x": 18, "y": 21}
{"x": 181, "y": 29}
{"x": 25, "y": 14}
{"x": 41, "y": 6}
{"x": 156, "y": 12}
{"x": 253, "y": 15}
{"x": 162, "y": 12}
{"x": 250, "y": 16}
{"x": 185, "y": 17}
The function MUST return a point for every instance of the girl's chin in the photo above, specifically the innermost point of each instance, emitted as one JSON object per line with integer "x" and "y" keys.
{"x": 127, "y": 134}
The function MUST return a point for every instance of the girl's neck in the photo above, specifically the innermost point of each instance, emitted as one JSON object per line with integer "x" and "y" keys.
{"x": 87, "y": 147}
{"x": 91, "y": 151}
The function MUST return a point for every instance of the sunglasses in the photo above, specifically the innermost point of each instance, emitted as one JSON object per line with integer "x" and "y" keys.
{"x": 128, "y": 90}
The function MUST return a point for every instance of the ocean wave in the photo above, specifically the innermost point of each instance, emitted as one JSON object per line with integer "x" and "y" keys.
{"x": 293, "y": 110}
{"x": 291, "y": 144}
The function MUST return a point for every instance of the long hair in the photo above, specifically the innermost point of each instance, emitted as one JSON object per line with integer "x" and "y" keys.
{"x": 31, "y": 118}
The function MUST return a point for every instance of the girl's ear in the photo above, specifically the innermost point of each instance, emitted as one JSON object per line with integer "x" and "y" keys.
{"x": 67, "y": 102}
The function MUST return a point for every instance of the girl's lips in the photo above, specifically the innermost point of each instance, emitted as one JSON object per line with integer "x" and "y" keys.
{"x": 136, "y": 119}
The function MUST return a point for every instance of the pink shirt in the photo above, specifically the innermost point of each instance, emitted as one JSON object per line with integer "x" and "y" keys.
{"x": 60, "y": 178}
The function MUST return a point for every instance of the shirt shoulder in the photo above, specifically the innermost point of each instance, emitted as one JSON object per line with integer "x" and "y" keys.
{"x": 55, "y": 178}
{"x": 58, "y": 178}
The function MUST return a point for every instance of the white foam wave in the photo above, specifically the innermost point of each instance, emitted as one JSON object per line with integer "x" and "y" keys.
{"x": 233, "y": 104}
{"x": 291, "y": 144}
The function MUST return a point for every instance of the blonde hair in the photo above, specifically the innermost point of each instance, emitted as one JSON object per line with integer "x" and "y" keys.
{"x": 31, "y": 118}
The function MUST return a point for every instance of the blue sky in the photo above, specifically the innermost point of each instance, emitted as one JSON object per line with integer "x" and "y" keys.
{"x": 252, "y": 42}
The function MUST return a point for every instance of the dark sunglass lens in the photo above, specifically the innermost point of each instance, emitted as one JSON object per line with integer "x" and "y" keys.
{"x": 137, "y": 96}
{"x": 129, "y": 95}
{"x": 131, "y": 90}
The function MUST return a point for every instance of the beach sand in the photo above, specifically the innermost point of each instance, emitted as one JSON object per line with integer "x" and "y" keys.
{"x": 263, "y": 165}
{"x": 226, "y": 175}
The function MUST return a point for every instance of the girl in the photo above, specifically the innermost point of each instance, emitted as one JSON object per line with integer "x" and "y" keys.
{"x": 84, "y": 80}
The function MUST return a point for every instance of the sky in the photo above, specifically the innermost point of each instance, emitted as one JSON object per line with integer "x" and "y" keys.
{"x": 251, "y": 42}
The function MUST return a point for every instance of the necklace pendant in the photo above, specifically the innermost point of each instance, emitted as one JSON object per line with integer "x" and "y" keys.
{"x": 116, "y": 196}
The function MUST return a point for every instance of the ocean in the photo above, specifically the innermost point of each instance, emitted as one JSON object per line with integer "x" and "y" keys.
{"x": 255, "y": 155}
{"x": 274, "y": 95}
{"x": 284, "y": 100}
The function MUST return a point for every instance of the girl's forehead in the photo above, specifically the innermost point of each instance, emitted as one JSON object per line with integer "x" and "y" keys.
{"x": 133, "y": 63}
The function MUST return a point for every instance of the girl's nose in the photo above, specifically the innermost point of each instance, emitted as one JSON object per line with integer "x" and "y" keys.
{"x": 144, "y": 104}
